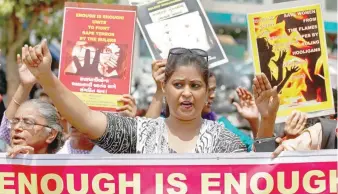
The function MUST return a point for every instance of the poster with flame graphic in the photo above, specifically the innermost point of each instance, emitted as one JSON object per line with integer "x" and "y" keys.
{"x": 289, "y": 47}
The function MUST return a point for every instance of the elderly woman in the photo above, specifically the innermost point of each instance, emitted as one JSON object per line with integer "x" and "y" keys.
{"x": 32, "y": 126}
{"x": 35, "y": 128}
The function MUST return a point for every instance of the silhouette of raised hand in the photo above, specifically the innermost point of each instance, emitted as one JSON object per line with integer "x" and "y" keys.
{"x": 280, "y": 59}
{"x": 88, "y": 69}
{"x": 292, "y": 70}
{"x": 280, "y": 67}
{"x": 288, "y": 74}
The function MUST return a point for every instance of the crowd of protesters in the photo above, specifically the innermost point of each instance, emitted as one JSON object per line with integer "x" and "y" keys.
{"x": 57, "y": 122}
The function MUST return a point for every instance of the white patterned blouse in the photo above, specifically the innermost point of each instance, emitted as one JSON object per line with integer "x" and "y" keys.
{"x": 149, "y": 136}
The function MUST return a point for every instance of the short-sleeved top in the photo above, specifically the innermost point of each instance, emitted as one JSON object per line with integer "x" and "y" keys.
{"x": 150, "y": 136}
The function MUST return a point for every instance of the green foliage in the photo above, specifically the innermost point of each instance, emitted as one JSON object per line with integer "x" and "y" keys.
{"x": 96, "y": 1}
{"x": 6, "y": 7}
{"x": 18, "y": 18}
{"x": 51, "y": 26}
{"x": 49, "y": 22}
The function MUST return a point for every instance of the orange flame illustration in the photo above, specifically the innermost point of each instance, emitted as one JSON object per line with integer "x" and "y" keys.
{"x": 319, "y": 66}
{"x": 300, "y": 16}
{"x": 283, "y": 40}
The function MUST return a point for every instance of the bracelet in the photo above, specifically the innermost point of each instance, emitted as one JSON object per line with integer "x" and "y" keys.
{"x": 16, "y": 102}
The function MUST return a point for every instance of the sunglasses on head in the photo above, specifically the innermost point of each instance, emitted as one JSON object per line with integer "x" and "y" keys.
{"x": 180, "y": 51}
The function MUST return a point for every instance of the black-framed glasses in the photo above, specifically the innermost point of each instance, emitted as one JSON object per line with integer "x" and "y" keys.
{"x": 180, "y": 51}
{"x": 25, "y": 123}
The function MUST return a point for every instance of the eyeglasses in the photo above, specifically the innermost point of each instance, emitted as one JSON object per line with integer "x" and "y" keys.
{"x": 180, "y": 51}
{"x": 25, "y": 123}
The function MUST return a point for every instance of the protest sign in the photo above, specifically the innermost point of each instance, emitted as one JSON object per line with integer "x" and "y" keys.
{"x": 181, "y": 23}
{"x": 292, "y": 172}
{"x": 96, "y": 52}
{"x": 288, "y": 45}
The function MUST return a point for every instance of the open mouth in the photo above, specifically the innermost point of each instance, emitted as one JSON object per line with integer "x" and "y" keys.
{"x": 209, "y": 104}
{"x": 17, "y": 139}
{"x": 186, "y": 105}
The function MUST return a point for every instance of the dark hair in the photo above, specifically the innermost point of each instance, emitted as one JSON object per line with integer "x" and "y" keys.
{"x": 42, "y": 94}
{"x": 185, "y": 59}
{"x": 211, "y": 74}
{"x": 3, "y": 82}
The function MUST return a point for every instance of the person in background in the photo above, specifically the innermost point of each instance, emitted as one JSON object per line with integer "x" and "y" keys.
{"x": 2, "y": 106}
{"x": 299, "y": 139}
{"x": 3, "y": 90}
{"x": 303, "y": 134}
{"x": 3, "y": 145}
{"x": 267, "y": 102}
{"x": 247, "y": 108}
{"x": 186, "y": 91}
{"x": 322, "y": 135}
{"x": 334, "y": 94}
{"x": 79, "y": 143}
{"x": 295, "y": 124}
{"x": 154, "y": 111}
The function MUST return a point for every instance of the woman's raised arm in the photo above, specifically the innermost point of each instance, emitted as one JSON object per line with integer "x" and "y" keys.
{"x": 90, "y": 122}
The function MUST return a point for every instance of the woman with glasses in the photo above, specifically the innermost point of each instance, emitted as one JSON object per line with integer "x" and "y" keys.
{"x": 186, "y": 91}
{"x": 35, "y": 128}
{"x": 32, "y": 126}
